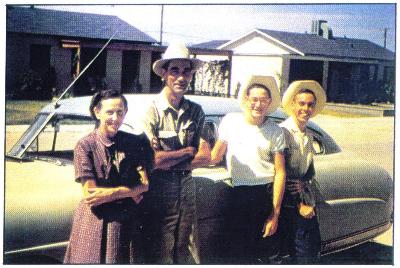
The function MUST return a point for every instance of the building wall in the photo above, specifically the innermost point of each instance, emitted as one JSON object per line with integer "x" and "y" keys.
{"x": 243, "y": 66}
{"x": 144, "y": 71}
{"x": 254, "y": 54}
{"x": 114, "y": 68}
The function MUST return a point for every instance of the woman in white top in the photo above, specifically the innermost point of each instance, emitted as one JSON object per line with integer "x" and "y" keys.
{"x": 254, "y": 148}
{"x": 299, "y": 230}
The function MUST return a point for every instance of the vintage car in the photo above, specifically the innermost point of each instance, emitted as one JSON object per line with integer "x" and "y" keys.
{"x": 355, "y": 198}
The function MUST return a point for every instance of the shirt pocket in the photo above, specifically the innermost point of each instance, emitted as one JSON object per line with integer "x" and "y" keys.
{"x": 187, "y": 134}
{"x": 168, "y": 140}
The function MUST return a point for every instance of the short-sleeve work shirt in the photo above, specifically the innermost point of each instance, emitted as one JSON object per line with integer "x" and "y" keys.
{"x": 174, "y": 128}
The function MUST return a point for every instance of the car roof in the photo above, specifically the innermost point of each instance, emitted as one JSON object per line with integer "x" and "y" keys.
{"x": 139, "y": 103}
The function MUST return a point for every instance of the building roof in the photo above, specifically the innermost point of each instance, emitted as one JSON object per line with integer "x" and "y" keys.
{"x": 312, "y": 44}
{"x": 71, "y": 24}
{"x": 210, "y": 44}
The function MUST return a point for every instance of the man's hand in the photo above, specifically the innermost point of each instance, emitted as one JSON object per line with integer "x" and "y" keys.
{"x": 270, "y": 225}
{"x": 155, "y": 144}
{"x": 191, "y": 151}
{"x": 306, "y": 211}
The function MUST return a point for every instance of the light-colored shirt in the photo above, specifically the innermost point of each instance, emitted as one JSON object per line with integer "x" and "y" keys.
{"x": 300, "y": 150}
{"x": 174, "y": 128}
{"x": 251, "y": 149}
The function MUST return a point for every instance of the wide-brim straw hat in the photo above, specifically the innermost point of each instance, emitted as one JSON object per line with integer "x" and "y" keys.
{"x": 294, "y": 89}
{"x": 267, "y": 81}
{"x": 176, "y": 51}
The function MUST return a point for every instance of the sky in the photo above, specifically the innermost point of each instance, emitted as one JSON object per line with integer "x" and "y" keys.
{"x": 197, "y": 23}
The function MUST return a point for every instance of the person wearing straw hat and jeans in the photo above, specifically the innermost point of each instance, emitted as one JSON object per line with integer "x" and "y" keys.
{"x": 174, "y": 125}
{"x": 254, "y": 147}
{"x": 299, "y": 231}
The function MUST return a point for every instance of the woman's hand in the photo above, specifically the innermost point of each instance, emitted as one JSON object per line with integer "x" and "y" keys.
{"x": 270, "y": 225}
{"x": 100, "y": 195}
{"x": 137, "y": 192}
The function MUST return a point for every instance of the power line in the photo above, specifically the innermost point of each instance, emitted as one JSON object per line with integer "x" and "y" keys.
{"x": 161, "y": 26}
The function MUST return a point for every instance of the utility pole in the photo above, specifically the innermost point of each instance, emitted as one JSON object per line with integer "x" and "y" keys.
{"x": 161, "y": 27}
{"x": 384, "y": 37}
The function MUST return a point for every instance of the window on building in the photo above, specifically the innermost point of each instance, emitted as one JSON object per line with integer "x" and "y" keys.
{"x": 372, "y": 72}
{"x": 98, "y": 67}
{"x": 39, "y": 60}
{"x": 388, "y": 74}
{"x": 155, "y": 80}
{"x": 130, "y": 72}
{"x": 94, "y": 78}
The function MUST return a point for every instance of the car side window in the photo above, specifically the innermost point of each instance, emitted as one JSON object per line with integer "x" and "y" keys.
{"x": 318, "y": 145}
{"x": 210, "y": 132}
{"x": 318, "y": 148}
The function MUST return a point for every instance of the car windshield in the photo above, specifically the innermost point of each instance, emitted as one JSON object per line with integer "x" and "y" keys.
{"x": 53, "y": 137}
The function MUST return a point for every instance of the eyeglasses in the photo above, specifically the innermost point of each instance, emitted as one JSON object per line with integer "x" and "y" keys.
{"x": 263, "y": 101}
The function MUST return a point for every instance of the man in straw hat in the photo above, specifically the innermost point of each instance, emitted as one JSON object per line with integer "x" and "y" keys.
{"x": 299, "y": 231}
{"x": 174, "y": 125}
{"x": 256, "y": 164}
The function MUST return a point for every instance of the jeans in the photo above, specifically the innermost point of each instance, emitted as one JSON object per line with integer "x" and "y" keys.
{"x": 170, "y": 213}
{"x": 299, "y": 237}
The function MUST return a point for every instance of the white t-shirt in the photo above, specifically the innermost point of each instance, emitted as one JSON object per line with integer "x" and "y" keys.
{"x": 251, "y": 149}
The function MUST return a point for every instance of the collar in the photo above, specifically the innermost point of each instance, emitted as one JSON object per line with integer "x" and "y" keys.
{"x": 103, "y": 139}
{"x": 163, "y": 103}
{"x": 291, "y": 125}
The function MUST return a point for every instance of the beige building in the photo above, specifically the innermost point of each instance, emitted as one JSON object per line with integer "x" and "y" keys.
{"x": 349, "y": 69}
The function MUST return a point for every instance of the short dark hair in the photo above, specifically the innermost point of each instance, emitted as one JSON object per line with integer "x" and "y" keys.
{"x": 309, "y": 91}
{"x": 104, "y": 95}
{"x": 258, "y": 85}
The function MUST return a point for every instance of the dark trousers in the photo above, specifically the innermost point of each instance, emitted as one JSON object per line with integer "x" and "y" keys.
{"x": 170, "y": 211}
{"x": 299, "y": 237}
{"x": 251, "y": 206}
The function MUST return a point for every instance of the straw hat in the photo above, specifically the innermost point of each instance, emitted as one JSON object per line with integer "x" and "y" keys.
{"x": 175, "y": 50}
{"x": 294, "y": 89}
{"x": 267, "y": 81}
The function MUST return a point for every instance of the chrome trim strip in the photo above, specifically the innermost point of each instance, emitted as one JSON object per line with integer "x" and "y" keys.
{"x": 36, "y": 248}
{"x": 354, "y": 200}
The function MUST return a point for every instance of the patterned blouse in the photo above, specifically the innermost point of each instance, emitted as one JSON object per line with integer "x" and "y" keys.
{"x": 95, "y": 155}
